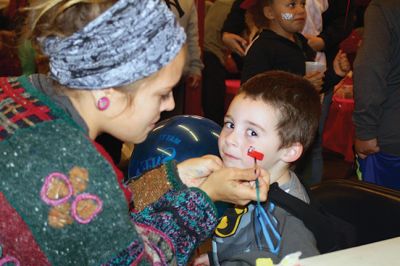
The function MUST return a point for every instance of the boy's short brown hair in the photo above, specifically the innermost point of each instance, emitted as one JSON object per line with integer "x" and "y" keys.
{"x": 295, "y": 99}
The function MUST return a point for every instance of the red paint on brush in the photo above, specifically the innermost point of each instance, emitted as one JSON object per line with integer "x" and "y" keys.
{"x": 255, "y": 154}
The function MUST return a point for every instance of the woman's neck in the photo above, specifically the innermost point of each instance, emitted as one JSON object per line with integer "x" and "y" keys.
{"x": 87, "y": 110}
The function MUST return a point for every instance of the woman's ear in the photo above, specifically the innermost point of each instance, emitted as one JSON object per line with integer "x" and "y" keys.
{"x": 292, "y": 153}
{"x": 102, "y": 99}
{"x": 109, "y": 101}
{"x": 268, "y": 12}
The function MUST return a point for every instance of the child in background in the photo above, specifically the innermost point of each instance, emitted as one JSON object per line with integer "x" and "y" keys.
{"x": 277, "y": 113}
{"x": 280, "y": 46}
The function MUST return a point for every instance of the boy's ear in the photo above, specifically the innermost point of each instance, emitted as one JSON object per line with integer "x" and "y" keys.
{"x": 292, "y": 153}
{"x": 268, "y": 13}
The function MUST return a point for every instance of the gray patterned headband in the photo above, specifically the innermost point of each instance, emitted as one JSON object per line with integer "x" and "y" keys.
{"x": 131, "y": 40}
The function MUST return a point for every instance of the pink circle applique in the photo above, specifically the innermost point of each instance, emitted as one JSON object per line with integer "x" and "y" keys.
{"x": 86, "y": 196}
{"x": 8, "y": 259}
{"x": 45, "y": 188}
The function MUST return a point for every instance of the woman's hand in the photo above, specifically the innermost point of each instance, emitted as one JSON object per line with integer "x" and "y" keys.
{"x": 194, "y": 171}
{"x": 341, "y": 64}
{"x": 236, "y": 186}
{"x": 235, "y": 43}
{"x": 317, "y": 79}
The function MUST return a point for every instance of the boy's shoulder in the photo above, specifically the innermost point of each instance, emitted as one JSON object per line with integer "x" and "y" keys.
{"x": 295, "y": 188}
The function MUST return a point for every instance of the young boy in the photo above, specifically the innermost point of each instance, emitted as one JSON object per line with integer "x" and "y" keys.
{"x": 276, "y": 113}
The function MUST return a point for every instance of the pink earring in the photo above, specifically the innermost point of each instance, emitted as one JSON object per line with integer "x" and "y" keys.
{"x": 103, "y": 103}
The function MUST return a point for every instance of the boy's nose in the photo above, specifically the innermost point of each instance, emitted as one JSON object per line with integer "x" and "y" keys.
{"x": 231, "y": 138}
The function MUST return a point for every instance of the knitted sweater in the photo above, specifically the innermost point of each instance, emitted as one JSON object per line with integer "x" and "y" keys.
{"x": 61, "y": 202}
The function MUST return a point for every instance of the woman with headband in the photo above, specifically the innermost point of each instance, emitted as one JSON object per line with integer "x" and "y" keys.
{"x": 112, "y": 67}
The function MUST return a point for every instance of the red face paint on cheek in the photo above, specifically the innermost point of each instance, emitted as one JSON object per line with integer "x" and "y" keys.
{"x": 255, "y": 154}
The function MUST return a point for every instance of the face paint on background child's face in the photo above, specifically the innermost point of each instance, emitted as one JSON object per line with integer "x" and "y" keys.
{"x": 287, "y": 16}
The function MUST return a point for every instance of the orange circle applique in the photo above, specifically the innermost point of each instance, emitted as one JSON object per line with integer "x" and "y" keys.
{"x": 79, "y": 178}
{"x": 59, "y": 216}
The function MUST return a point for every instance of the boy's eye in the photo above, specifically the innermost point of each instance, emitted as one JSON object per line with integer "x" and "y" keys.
{"x": 229, "y": 124}
{"x": 252, "y": 133}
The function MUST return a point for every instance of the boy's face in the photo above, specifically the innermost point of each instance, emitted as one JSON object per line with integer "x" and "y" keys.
{"x": 248, "y": 123}
{"x": 288, "y": 15}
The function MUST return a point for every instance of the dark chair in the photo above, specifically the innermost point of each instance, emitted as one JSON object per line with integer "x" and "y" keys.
{"x": 373, "y": 210}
